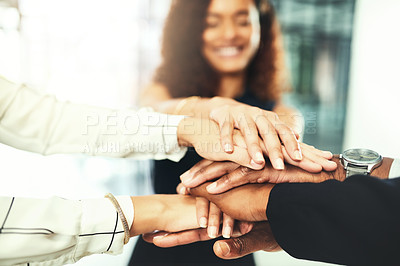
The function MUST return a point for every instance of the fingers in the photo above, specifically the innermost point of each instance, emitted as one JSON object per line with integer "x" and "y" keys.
{"x": 214, "y": 220}
{"x": 314, "y": 160}
{"x": 305, "y": 163}
{"x": 271, "y": 141}
{"x": 273, "y": 146}
{"x": 165, "y": 240}
{"x": 326, "y": 154}
{"x": 188, "y": 175}
{"x": 240, "y": 176}
{"x": 182, "y": 190}
{"x": 250, "y": 133}
{"x": 289, "y": 140}
{"x": 227, "y": 226}
{"x": 245, "y": 203}
{"x": 209, "y": 171}
{"x": 260, "y": 238}
{"x": 241, "y": 156}
{"x": 224, "y": 120}
{"x": 202, "y": 209}
{"x": 244, "y": 228}
{"x": 227, "y": 135}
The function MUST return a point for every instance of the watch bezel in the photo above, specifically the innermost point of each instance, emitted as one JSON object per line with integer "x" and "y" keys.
{"x": 368, "y": 165}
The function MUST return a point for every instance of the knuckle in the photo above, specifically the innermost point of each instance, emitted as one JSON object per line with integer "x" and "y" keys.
{"x": 226, "y": 180}
{"x": 243, "y": 171}
{"x": 240, "y": 246}
{"x": 275, "y": 150}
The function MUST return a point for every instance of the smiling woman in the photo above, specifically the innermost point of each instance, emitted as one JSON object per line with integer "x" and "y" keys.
{"x": 231, "y": 36}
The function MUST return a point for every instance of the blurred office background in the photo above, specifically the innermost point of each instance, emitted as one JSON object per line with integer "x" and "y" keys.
{"x": 343, "y": 57}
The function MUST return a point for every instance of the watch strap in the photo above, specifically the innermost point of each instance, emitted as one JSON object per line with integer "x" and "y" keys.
{"x": 356, "y": 171}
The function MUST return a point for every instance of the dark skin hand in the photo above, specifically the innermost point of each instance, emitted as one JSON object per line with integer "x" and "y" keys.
{"x": 244, "y": 203}
{"x": 259, "y": 238}
{"x": 249, "y": 202}
{"x": 231, "y": 175}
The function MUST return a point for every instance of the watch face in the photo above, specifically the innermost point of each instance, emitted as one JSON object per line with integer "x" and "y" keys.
{"x": 363, "y": 156}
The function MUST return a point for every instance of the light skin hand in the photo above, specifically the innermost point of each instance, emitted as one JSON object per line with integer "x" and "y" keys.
{"x": 209, "y": 216}
{"x": 204, "y": 136}
{"x": 254, "y": 122}
{"x": 160, "y": 212}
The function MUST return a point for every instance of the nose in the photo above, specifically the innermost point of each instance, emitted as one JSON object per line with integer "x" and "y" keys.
{"x": 229, "y": 30}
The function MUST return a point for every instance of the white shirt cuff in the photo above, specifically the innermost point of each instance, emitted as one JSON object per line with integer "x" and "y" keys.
{"x": 101, "y": 230}
{"x": 395, "y": 169}
{"x": 126, "y": 205}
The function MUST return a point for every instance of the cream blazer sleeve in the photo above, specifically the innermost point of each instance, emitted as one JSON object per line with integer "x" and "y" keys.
{"x": 40, "y": 123}
{"x": 58, "y": 231}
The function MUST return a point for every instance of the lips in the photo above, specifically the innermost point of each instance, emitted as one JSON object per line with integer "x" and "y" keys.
{"x": 228, "y": 51}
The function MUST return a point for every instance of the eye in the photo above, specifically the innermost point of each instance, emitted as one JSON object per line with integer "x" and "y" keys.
{"x": 243, "y": 21}
{"x": 212, "y": 22}
{"x": 211, "y": 25}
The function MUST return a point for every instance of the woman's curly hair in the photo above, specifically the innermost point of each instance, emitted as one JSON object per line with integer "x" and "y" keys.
{"x": 184, "y": 70}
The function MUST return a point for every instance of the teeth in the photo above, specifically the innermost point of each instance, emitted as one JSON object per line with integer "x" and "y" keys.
{"x": 228, "y": 51}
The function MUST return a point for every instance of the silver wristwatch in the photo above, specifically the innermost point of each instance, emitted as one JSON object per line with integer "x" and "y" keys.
{"x": 360, "y": 161}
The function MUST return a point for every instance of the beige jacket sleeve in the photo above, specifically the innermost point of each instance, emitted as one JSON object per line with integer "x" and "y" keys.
{"x": 40, "y": 123}
{"x": 58, "y": 231}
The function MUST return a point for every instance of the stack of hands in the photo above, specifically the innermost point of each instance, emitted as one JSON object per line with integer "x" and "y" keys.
{"x": 228, "y": 192}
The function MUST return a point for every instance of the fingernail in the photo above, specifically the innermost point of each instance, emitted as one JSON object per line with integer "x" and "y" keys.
{"x": 297, "y": 155}
{"x": 159, "y": 237}
{"x": 259, "y": 158}
{"x": 279, "y": 164}
{"x": 182, "y": 191}
{"x": 226, "y": 233}
{"x": 255, "y": 165}
{"x": 223, "y": 248}
{"x": 203, "y": 222}
{"x": 212, "y": 231}
{"x": 243, "y": 227}
{"x": 228, "y": 147}
{"x": 186, "y": 177}
{"x": 211, "y": 188}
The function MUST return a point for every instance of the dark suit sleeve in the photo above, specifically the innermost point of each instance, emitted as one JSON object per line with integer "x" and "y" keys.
{"x": 355, "y": 222}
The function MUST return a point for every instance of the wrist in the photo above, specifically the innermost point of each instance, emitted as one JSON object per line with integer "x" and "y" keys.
{"x": 147, "y": 212}
{"x": 340, "y": 173}
{"x": 262, "y": 212}
{"x": 383, "y": 170}
{"x": 185, "y": 130}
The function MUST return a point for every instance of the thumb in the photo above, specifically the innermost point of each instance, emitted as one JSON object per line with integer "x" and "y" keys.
{"x": 260, "y": 238}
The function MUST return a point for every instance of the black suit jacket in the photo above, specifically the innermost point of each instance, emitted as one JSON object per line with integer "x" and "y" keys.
{"x": 355, "y": 222}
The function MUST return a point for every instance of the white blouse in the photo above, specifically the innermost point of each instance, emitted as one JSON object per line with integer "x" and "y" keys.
{"x": 57, "y": 231}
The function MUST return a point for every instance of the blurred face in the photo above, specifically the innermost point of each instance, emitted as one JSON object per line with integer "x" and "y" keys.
{"x": 232, "y": 35}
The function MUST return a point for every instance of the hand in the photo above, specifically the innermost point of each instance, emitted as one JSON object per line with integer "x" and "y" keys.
{"x": 166, "y": 240}
{"x": 259, "y": 238}
{"x": 204, "y": 136}
{"x": 170, "y": 213}
{"x": 250, "y": 240}
{"x": 254, "y": 122}
{"x": 245, "y": 203}
{"x": 209, "y": 216}
{"x": 233, "y": 175}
